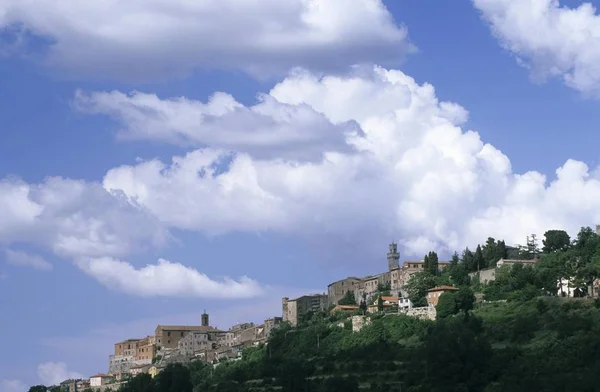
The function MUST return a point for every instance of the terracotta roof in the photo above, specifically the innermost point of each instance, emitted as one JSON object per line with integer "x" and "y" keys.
{"x": 442, "y": 288}
{"x": 386, "y": 298}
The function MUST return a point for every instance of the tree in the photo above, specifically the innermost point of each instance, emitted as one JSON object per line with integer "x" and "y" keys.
{"x": 490, "y": 252}
{"x": 430, "y": 263}
{"x": 555, "y": 241}
{"x": 379, "y": 304}
{"x": 455, "y": 259}
{"x": 465, "y": 299}
{"x": 446, "y": 305}
{"x": 173, "y": 378}
{"x": 384, "y": 289}
{"x": 478, "y": 258}
{"x": 501, "y": 251}
{"x": 348, "y": 299}
{"x": 38, "y": 388}
{"x": 363, "y": 304}
{"x": 468, "y": 260}
{"x": 417, "y": 287}
{"x": 141, "y": 383}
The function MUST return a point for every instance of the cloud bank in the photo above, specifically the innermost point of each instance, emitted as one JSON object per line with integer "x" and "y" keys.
{"x": 145, "y": 41}
{"x": 415, "y": 175}
{"x": 80, "y": 220}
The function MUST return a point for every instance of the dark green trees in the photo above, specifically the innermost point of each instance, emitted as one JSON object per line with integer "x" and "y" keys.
{"x": 348, "y": 299}
{"x": 556, "y": 240}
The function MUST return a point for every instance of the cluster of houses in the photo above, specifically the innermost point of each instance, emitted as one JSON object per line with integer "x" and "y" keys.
{"x": 368, "y": 288}
{"x": 172, "y": 344}
{"x": 178, "y": 343}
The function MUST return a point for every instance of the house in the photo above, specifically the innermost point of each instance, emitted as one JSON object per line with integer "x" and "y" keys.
{"x": 74, "y": 385}
{"x": 134, "y": 371}
{"x": 100, "y": 379}
{"x": 433, "y": 294}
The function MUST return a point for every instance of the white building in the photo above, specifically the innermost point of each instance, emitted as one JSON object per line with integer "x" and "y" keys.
{"x": 100, "y": 379}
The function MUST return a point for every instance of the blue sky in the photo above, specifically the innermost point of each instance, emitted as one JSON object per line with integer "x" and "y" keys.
{"x": 434, "y": 124}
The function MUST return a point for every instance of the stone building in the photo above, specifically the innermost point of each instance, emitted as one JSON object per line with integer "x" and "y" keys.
{"x": 337, "y": 290}
{"x": 292, "y": 309}
{"x": 195, "y": 342}
{"x": 146, "y": 350}
{"x": 168, "y": 336}
{"x": 124, "y": 357}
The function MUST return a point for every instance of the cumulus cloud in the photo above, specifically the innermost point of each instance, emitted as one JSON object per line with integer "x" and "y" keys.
{"x": 141, "y": 40}
{"x": 81, "y": 220}
{"x": 415, "y": 174}
{"x": 12, "y": 386}
{"x": 24, "y": 259}
{"x": 166, "y": 279}
{"x": 53, "y": 373}
{"x": 75, "y": 218}
{"x": 269, "y": 129}
{"x": 550, "y": 39}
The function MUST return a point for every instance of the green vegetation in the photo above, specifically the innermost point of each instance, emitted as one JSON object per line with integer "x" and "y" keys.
{"x": 524, "y": 337}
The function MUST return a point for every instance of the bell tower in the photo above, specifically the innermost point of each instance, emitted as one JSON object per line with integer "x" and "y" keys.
{"x": 205, "y": 319}
{"x": 393, "y": 257}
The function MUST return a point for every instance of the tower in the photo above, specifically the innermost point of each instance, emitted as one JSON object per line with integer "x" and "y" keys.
{"x": 598, "y": 229}
{"x": 393, "y": 257}
{"x": 205, "y": 319}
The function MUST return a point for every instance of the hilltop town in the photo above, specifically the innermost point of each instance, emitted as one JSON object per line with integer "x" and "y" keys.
{"x": 355, "y": 297}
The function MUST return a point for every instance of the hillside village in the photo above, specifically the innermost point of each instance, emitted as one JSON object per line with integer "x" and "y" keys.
{"x": 357, "y": 297}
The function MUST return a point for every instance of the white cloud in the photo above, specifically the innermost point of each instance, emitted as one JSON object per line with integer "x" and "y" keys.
{"x": 416, "y": 175}
{"x": 142, "y": 40}
{"x": 24, "y": 259}
{"x": 267, "y": 129}
{"x": 75, "y": 218}
{"x": 80, "y": 220}
{"x": 166, "y": 279}
{"x": 53, "y": 373}
{"x": 550, "y": 39}
{"x": 12, "y": 386}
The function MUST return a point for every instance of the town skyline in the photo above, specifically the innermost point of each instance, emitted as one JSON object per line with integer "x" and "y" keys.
{"x": 159, "y": 158}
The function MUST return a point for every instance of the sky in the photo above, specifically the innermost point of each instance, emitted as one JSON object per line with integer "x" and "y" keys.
{"x": 159, "y": 159}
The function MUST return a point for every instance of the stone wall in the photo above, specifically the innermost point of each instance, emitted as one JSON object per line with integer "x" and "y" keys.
{"x": 485, "y": 275}
{"x": 358, "y": 322}
{"x": 425, "y": 312}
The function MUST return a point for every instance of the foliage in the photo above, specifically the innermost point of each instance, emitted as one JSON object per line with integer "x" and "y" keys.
{"x": 431, "y": 263}
{"x": 348, "y": 299}
{"x": 446, "y": 305}
{"x": 141, "y": 383}
{"x": 417, "y": 287}
{"x": 555, "y": 241}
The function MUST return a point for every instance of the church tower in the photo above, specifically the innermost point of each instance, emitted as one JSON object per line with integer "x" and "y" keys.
{"x": 393, "y": 257}
{"x": 205, "y": 319}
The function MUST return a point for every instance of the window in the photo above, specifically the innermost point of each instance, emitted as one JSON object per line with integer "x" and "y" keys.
{"x": 168, "y": 341}
{"x": 168, "y": 333}
{"x": 182, "y": 334}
